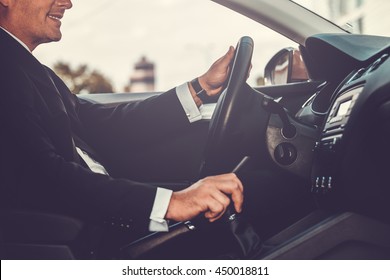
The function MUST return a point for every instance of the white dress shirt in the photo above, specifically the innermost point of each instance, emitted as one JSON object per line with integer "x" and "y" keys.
{"x": 163, "y": 196}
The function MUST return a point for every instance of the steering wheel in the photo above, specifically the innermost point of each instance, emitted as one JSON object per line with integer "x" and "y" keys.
{"x": 223, "y": 125}
{"x": 224, "y": 120}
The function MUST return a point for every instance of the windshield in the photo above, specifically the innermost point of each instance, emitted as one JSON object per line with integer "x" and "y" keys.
{"x": 161, "y": 42}
{"x": 355, "y": 16}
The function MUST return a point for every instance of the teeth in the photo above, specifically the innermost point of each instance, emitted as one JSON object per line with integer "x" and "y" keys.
{"x": 54, "y": 17}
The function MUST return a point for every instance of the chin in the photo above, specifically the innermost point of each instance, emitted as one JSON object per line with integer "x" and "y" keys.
{"x": 54, "y": 38}
{"x": 55, "y": 35}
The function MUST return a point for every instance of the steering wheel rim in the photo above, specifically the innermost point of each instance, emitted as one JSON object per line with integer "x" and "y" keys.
{"x": 222, "y": 121}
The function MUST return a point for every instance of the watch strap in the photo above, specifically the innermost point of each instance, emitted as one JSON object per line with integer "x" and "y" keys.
{"x": 200, "y": 92}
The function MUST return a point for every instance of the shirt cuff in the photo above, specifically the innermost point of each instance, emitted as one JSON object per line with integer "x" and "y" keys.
{"x": 160, "y": 207}
{"x": 188, "y": 103}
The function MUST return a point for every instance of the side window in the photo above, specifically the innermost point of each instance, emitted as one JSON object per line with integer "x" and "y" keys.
{"x": 135, "y": 46}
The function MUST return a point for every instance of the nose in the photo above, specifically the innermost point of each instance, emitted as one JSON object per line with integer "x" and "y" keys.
{"x": 67, "y": 4}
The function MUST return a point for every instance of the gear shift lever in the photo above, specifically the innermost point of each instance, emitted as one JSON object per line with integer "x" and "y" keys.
{"x": 242, "y": 231}
{"x": 231, "y": 213}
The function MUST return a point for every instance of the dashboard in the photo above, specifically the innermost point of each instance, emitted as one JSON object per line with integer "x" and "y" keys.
{"x": 351, "y": 152}
{"x": 343, "y": 139}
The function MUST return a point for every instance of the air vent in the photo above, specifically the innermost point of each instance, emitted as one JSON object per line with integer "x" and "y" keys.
{"x": 358, "y": 74}
{"x": 378, "y": 62}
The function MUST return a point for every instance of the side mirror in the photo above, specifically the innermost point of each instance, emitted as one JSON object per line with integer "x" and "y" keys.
{"x": 285, "y": 67}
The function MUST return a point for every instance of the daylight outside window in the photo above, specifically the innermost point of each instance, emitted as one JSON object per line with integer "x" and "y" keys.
{"x": 164, "y": 42}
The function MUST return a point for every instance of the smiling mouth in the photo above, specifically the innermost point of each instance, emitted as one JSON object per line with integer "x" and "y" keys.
{"x": 57, "y": 18}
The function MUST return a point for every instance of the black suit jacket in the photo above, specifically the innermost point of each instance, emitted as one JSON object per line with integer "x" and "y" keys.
{"x": 40, "y": 120}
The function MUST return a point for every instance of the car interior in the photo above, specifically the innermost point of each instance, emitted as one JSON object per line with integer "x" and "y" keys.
{"x": 311, "y": 148}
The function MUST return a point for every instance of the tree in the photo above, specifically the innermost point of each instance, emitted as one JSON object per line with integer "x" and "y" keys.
{"x": 82, "y": 79}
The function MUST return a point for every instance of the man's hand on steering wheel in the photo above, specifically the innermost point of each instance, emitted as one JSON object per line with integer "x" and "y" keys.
{"x": 215, "y": 78}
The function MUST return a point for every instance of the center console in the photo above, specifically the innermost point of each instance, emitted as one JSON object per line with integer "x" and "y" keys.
{"x": 356, "y": 92}
{"x": 327, "y": 155}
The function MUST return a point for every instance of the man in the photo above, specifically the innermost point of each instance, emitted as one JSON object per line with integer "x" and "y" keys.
{"x": 50, "y": 157}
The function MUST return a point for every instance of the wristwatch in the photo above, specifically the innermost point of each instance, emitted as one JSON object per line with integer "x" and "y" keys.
{"x": 200, "y": 92}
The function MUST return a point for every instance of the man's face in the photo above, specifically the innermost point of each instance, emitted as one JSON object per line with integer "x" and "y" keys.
{"x": 37, "y": 21}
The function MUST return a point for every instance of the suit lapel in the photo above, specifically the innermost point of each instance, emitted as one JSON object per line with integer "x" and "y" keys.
{"x": 51, "y": 107}
{"x": 18, "y": 55}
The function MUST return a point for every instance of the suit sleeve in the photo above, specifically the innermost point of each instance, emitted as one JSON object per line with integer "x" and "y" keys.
{"x": 48, "y": 179}
{"x": 140, "y": 121}
{"x": 122, "y": 134}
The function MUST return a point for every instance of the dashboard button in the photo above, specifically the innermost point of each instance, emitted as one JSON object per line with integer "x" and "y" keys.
{"x": 285, "y": 153}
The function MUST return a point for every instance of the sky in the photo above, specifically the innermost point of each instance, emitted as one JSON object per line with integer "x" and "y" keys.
{"x": 182, "y": 37}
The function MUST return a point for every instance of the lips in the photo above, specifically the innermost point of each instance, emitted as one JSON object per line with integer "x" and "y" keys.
{"x": 57, "y": 17}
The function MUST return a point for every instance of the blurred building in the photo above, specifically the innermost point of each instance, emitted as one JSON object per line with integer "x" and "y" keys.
{"x": 142, "y": 79}
{"x": 357, "y": 16}
{"x": 366, "y": 17}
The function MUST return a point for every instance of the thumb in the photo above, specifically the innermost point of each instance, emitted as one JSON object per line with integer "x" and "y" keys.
{"x": 226, "y": 58}
{"x": 229, "y": 55}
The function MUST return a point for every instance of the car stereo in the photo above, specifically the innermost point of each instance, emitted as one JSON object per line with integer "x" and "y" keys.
{"x": 341, "y": 109}
{"x": 326, "y": 150}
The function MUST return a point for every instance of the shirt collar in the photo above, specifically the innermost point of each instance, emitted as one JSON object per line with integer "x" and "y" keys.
{"x": 16, "y": 38}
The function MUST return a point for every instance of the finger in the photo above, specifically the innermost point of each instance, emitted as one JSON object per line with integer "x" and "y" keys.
{"x": 236, "y": 194}
{"x": 230, "y": 51}
{"x": 215, "y": 209}
{"x": 226, "y": 182}
{"x": 238, "y": 200}
{"x": 226, "y": 58}
{"x": 233, "y": 187}
{"x": 212, "y": 216}
{"x": 218, "y": 203}
{"x": 216, "y": 218}
{"x": 229, "y": 177}
{"x": 221, "y": 198}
